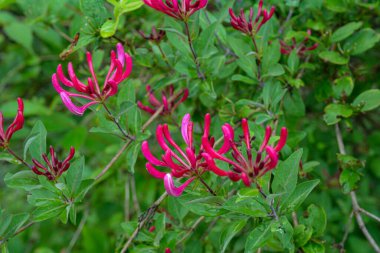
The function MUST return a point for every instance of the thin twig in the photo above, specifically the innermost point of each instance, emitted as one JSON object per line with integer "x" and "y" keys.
{"x": 371, "y": 215}
{"x": 191, "y": 230}
{"x": 346, "y": 232}
{"x": 22, "y": 229}
{"x": 290, "y": 14}
{"x": 117, "y": 123}
{"x": 295, "y": 219}
{"x": 10, "y": 151}
{"x": 148, "y": 215}
{"x": 354, "y": 200}
{"x": 77, "y": 232}
{"x": 195, "y": 57}
{"x": 207, "y": 186}
{"x": 114, "y": 159}
{"x": 136, "y": 204}
{"x": 126, "y": 199}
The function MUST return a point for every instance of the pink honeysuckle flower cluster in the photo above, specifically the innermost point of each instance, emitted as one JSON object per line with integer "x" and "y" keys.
{"x": 17, "y": 124}
{"x": 53, "y": 168}
{"x": 180, "y": 10}
{"x": 182, "y": 163}
{"x": 169, "y": 100}
{"x": 253, "y": 24}
{"x": 120, "y": 68}
{"x": 154, "y": 36}
{"x": 247, "y": 163}
{"x": 300, "y": 48}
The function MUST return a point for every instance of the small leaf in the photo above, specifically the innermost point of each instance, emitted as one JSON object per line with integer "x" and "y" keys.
{"x": 48, "y": 211}
{"x": 349, "y": 180}
{"x": 258, "y": 237}
{"x": 362, "y": 41}
{"x": 333, "y": 57}
{"x": 108, "y": 29}
{"x": 36, "y": 142}
{"x": 345, "y": 31}
{"x": 316, "y": 219}
{"x": 74, "y": 175}
{"x": 302, "y": 235}
{"x": 25, "y": 180}
{"x": 368, "y": 100}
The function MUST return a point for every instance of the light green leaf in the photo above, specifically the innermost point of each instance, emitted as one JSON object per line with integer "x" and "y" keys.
{"x": 258, "y": 237}
{"x": 345, "y": 31}
{"x": 333, "y": 57}
{"x": 368, "y": 100}
{"x": 74, "y": 175}
{"x": 229, "y": 232}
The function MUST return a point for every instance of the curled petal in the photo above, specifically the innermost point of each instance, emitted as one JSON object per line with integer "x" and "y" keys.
{"x": 78, "y": 110}
{"x": 268, "y": 133}
{"x": 283, "y": 137}
{"x": 18, "y": 122}
{"x": 184, "y": 128}
{"x": 154, "y": 172}
{"x": 245, "y": 179}
{"x": 212, "y": 166}
{"x": 206, "y": 131}
{"x": 229, "y": 135}
{"x": 273, "y": 158}
{"x": 171, "y": 189}
{"x": 148, "y": 155}
{"x": 247, "y": 137}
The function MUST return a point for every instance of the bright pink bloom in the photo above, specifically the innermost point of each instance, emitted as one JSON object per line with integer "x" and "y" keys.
{"x": 173, "y": 8}
{"x": 245, "y": 166}
{"x": 152, "y": 229}
{"x": 167, "y": 95}
{"x": 53, "y": 168}
{"x": 167, "y": 250}
{"x": 300, "y": 48}
{"x": 183, "y": 163}
{"x": 253, "y": 24}
{"x": 120, "y": 69}
{"x": 16, "y": 125}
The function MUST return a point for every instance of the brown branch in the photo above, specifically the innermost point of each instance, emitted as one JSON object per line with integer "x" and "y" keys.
{"x": 371, "y": 215}
{"x": 147, "y": 216}
{"x": 354, "y": 200}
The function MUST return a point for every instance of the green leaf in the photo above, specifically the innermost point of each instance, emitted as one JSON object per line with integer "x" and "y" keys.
{"x": 334, "y": 113}
{"x": 286, "y": 174}
{"x": 74, "y": 175}
{"x": 361, "y": 41}
{"x": 349, "y": 162}
{"x": 133, "y": 152}
{"x": 48, "y": 211}
{"x": 343, "y": 86}
{"x": 349, "y": 180}
{"x": 368, "y": 100}
{"x": 21, "y": 33}
{"x": 333, "y": 57}
{"x": 313, "y": 247}
{"x": 247, "y": 206}
{"x": 302, "y": 234}
{"x": 299, "y": 195}
{"x": 25, "y": 180}
{"x": 95, "y": 11}
{"x": 205, "y": 206}
{"x": 316, "y": 219}
{"x": 229, "y": 232}
{"x": 294, "y": 105}
{"x": 293, "y": 62}
{"x": 108, "y": 29}
{"x": 283, "y": 230}
{"x": 258, "y": 237}
{"x": 345, "y": 31}
{"x": 36, "y": 142}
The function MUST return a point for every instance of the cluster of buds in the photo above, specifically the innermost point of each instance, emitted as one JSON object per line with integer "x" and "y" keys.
{"x": 181, "y": 11}
{"x": 53, "y": 168}
{"x": 300, "y": 48}
{"x": 254, "y": 23}
{"x": 169, "y": 101}
{"x": 120, "y": 69}
{"x": 182, "y": 163}
{"x": 154, "y": 36}
{"x": 16, "y": 125}
{"x": 247, "y": 163}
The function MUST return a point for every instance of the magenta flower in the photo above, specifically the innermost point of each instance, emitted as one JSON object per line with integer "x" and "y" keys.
{"x": 16, "y": 125}
{"x": 120, "y": 68}
{"x": 300, "y": 48}
{"x": 53, "y": 168}
{"x": 253, "y": 24}
{"x": 169, "y": 100}
{"x": 173, "y": 8}
{"x": 182, "y": 163}
{"x": 244, "y": 165}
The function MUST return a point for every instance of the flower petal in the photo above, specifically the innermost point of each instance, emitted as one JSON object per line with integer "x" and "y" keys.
{"x": 171, "y": 189}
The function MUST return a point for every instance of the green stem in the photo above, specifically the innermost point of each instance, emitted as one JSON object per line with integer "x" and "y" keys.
{"x": 195, "y": 57}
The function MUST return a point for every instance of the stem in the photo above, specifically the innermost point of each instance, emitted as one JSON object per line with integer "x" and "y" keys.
{"x": 117, "y": 123}
{"x": 371, "y": 215}
{"x": 191, "y": 230}
{"x": 207, "y": 186}
{"x": 196, "y": 60}
{"x": 77, "y": 232}
{"x": 290, "y": 14}
{"x": 354, "y": 200}
{"x": 10, "y": 151}
{"x": 136, "y": 205}
{"x": 114, "y": 159}
{"x": 346, "y": 232}
{"x": 22, "y": 229}
{"x": 163, "y": 55}
{"x": 258, "y": 61}
{"x": 274, "y": 214}
{"x": 147, "y": 216}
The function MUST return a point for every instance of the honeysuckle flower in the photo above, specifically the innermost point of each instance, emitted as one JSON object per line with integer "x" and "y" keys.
{"x": 16, "y": 125}
{"x": 247, "y": 162}
{"x": 182, "y": 163}
{"x": 181, "y": 10}
{"x": 154, "y": 36}
{"x": 169, "y": 100}
{"x": 300, "y": 48}
{"x": 53, "y": 168}
{"x": 254, "y": 23}
{"x": 120, "y": 68}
